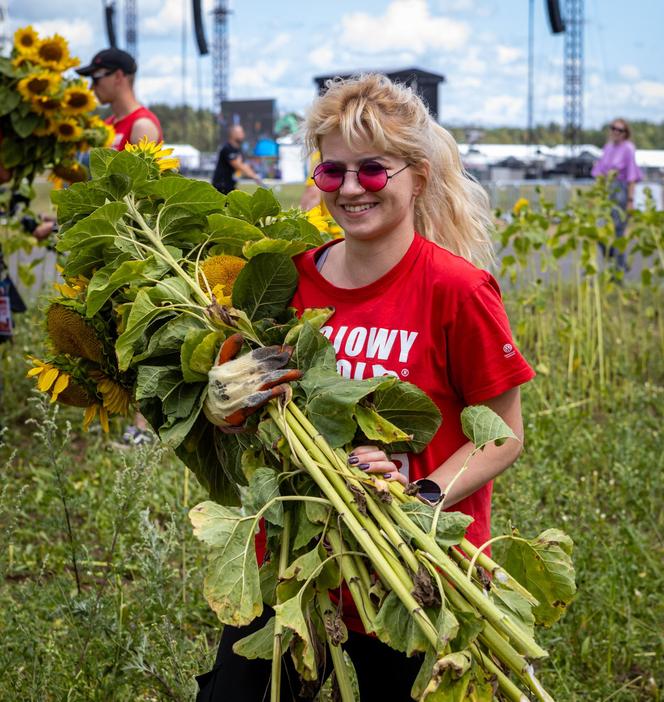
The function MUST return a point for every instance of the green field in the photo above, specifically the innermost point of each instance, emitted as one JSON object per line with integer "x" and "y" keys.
{"x": 101, "y": 594}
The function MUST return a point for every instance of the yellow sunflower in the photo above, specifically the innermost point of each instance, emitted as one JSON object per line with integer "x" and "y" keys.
{"x": 53, "y": 53}
{"x": 91, "y": 413}
{"x": 25, "y": 59}
{"x": 155, "y": 152}
{"x": 38, "y": 85}
{"x": 45, "y": 104}
{"x": 47, "y": 127}
{"x": 26, "y": 40}
{"x": 219, "y": 273}
{"x": 72, "y": 287}
{"x": 77, "y": 100}
{"x": 116, "y": 398}
{"x": 519, "y": 205}
{"x": 49, "y": 378}
{"x": 68, "y": 129}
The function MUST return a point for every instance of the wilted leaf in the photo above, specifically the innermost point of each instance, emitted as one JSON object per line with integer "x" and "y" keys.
{"x": 260, "y": 644}
{"x": 451, "y": 527}
{"x": 376, "y": 428}
{"x": 231, "y": 585}
{"x": 544, "y": 567}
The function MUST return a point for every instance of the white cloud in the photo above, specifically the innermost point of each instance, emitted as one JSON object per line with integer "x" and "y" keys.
{"x": 470, "y": 62}
{"x": 508, "y": 54}
{"x": 505, "y": 109}
{"x": 322, "y": 57}
{"x": 650, "y": 93}
{"x": 79, "y": 34}
{"x": 629, "y": 71}
{"x": 260, "y": 75}
{"x": 168, "y": 18}
{"x": 406, "y": 25}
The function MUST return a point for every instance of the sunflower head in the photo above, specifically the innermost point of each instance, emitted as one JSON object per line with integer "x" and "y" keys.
{"x": 77, "y": 99}
{"x": 219, "y": 273}
{"x": 68, "y": 129}
{"x": 25, "y": 60}
{"x": 154, "y": 152}
{"x": 45, "y": 104}
{"x": 26, "y": 40}
{"x": 519, "y": 205}
{"x": 53, "y": 53}
{"x": 46, "y": 128}
{"x": 36, "y": 85}
{"x": 71, "y": 171}
{"x": 70, "y": 333}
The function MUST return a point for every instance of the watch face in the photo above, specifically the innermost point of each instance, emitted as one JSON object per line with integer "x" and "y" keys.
{"x": 429, "y": 490}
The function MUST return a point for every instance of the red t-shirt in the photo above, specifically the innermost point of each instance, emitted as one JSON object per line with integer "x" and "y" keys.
{"x": 124, "y": 126}
{"x": 436, "y": 321}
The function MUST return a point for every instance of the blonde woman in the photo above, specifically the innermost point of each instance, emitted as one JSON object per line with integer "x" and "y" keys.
{"x": 409, "y": 301}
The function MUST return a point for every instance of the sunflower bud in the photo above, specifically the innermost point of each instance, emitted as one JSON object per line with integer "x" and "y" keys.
{"x": 220, "y": 270}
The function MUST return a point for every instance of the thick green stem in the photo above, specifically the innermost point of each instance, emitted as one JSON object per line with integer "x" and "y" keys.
{"x": 156, "y": 241}
{"x": 349, "y": 571}
{"x": 524, "y": 642}
{"x": 275, "y": 685}
{"x": 357, "y": 526}
{"x": 336, "y": 652}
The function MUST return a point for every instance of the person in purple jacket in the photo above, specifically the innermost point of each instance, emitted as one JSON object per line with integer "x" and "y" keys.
{"x": 618, "y": 157}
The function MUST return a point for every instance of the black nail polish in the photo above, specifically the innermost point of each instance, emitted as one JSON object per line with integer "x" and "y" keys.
{"x": 363, "y": 466}
{"x": 353, "y": 460}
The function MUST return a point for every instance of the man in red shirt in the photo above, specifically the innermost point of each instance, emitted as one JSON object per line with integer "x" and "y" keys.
{"x": 112, "y": 72}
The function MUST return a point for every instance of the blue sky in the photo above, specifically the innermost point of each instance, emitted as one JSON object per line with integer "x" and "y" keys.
{"x": 479, "y": 45}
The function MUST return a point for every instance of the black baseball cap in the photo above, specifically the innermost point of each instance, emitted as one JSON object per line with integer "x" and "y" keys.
{"x": 112, "y": 59}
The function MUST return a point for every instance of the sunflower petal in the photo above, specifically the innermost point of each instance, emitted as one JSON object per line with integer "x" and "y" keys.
{"x": 47, "y": 379}
{"x": 60, "y": 384}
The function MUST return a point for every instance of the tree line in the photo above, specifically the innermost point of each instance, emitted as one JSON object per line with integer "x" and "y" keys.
{"x": 199, "y": 127}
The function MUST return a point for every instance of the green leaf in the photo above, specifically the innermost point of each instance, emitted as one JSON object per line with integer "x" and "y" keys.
{"x": 196, "y": 196}
{"x": 377, "y": 428}
{"x": 544, "y": 567}
{"x": 143, "y": 311}
{"x": 12, "y": 152}
{"x": 305, "y": 529}
{"x": 395, "y": 626}
{"x": 107, "y": 280}
{"x": 331, "y": 402}
{"x": 482, "y": 426}
{"x": 239, "y": 205}
{"x": 313, "y": 349}
{"x": 189, "y": 400}
{"x": 451, "y": 526}
{"x": 193, "y": 338}
{"x": 260, "y": 643}
{"x": 82, "y": 199}
{"x": 24, "y": 125}
{"x": 100, "y": 160}
{"x": 282, "y": 246}
{"x": 410, "y": 409}
{"x": 231, "y": 234}
{"x": 168, "y": 339}
{"x": 9, "y": 100}
{"x": 265, "y": 286}
{"x": 264, "y": 487}
{"x": 95, "y": 231}
{"x": 203, "y": 355}
{"x": 156, "y": 381}
{"x": 469, "y": 627}
{"x": 264, "y": 204}
{"x": 296, "y": 230}
{"x": 291, "y": 615}
{"x": 168, "y": 290}
{"x": 515, "y": 606}
{"x": 231, "y": 584}
{"x": 138, "y": 170}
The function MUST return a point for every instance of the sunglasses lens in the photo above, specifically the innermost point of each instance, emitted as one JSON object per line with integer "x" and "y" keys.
{"x": 329, "y": 177}
{"x": 372, "y": 176}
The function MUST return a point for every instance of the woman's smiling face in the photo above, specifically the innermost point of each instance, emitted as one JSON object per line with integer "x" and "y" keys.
{"x": 363, "y": 214}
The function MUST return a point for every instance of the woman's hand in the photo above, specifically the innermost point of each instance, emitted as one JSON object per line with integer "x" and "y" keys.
{"x": 374, "y": 460}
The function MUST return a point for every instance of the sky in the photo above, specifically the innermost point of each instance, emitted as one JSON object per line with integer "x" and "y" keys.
{"x": 480, "y": 46}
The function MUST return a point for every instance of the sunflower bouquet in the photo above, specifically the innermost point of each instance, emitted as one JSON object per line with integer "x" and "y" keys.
{"x": 46, "y": 119}
{"x": 178, "y": 296}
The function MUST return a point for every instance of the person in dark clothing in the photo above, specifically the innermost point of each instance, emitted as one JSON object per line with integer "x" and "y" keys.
{"x": 230, "y": 160}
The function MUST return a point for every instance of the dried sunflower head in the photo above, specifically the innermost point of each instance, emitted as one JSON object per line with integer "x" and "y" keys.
{"x": 70, "y": 333}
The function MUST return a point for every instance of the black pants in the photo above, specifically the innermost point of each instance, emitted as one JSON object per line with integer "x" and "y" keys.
{"x": 383, "y": 674}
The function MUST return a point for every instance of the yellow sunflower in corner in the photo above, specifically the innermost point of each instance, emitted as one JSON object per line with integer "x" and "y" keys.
{"x": 53, "y": 53}
{"x": 68, "y": 129}
{"x": 26, "y": 40}
{"x": 154, "y": 152}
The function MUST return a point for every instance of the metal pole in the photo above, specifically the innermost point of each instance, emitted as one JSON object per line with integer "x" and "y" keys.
{"x": 531, "y": 69}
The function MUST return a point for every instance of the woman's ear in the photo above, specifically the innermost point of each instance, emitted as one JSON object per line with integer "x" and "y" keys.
{"x": 421, "y": 177}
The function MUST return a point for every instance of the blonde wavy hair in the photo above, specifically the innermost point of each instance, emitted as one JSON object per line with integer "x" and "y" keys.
{"x": 453, "y": 209}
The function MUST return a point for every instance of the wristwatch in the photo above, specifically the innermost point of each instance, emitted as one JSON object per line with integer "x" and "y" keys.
{"x": 428, "y": 491}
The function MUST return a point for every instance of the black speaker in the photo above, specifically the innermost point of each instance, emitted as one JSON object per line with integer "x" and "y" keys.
{"x": 109, "y": 16}
{"x": 199, "y": 29}
{"x": 555, "y": 19}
